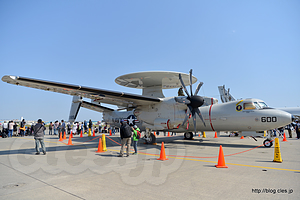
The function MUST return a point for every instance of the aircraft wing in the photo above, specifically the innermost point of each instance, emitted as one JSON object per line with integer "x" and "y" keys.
{"x": 115, "y": 98}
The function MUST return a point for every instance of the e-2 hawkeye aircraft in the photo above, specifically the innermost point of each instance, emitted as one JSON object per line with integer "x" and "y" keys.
{"x": 157, "y": 112}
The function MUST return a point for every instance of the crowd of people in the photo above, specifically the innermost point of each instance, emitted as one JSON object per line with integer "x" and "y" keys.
{"x": 10, "y": 128}
{"x": 127, "y": 133}
{"x": 20, "y": 129}
{"x": 293, "y": 127}
{"x": 86, "y": 127}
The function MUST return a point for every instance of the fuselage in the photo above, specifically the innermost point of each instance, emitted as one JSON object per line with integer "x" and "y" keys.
{"x": 242, "y": 115}
{"x": 114, "y": 118}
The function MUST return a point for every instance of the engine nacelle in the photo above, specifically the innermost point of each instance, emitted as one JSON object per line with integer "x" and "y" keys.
{"x": 210, "y": 101}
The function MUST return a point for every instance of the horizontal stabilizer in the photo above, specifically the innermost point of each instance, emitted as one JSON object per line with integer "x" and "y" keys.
{"x": 95, "y": 107}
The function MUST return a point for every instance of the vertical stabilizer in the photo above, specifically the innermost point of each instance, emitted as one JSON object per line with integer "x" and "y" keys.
{"x": 225, "y": 95}
{"x": 75, "y": 106}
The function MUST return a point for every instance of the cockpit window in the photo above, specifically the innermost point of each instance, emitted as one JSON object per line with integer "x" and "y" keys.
{"x": 257, "y": 105}
{"x": 263, "y": 104}
{"x": 249, "y": 106}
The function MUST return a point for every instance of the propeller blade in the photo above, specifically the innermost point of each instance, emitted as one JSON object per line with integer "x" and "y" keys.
{"x": 198, "y": 88}
{"x": 194, "y": 120}
{"x": 182, "y": 83}
{"x": 191, "y": 81}
{"x": 199, "y": 114}
{"x": 187, "y": 115}
{"x": 182, "y": 100}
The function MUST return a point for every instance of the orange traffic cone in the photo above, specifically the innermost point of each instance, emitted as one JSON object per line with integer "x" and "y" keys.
{"x": 154, "y": 133}
{"x": 109, "y": 132}
{"x": 168, "y": 134}
{"x": 60, "y": 137}
{"x": 242, "y": 137}
{"x": 100, "y": 146}
{"x": 221, "y": 160}
{"x": 162, "y": 153}
{"x": 70, "y": 140}
{"x": 93, "y": 133}
{"x": 216, "y": 136}
{"x": 284, "y": 138}
{"x": 65, "y": 135}
{"x": 81, "y": 133}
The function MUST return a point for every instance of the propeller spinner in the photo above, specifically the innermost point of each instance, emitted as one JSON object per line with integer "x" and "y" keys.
{"x": 192, "y": 101}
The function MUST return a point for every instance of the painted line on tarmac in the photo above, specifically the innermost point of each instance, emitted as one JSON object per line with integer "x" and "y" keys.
{"x": 191, "y": 159}
{"x": 208, "y": 161}
{"x": 291, "y": 170}
{"x": 242, "y": 165}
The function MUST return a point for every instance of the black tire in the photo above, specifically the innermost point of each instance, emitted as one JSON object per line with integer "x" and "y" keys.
{"x": 268, "y": 143}
{"x": 151, "y": 139}
{"x": 188, "y": 135}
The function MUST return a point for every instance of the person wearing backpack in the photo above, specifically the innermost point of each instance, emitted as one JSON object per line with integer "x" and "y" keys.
{"x": 22, "y": 128}
{"x": 136, "y": 137}
{"x": 125, "y": 134}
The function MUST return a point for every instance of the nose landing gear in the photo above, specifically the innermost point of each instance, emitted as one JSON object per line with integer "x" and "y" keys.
{"x": 268, "y": 143}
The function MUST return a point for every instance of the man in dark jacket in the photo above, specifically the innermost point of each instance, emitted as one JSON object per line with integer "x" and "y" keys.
{"x": 125, "y": 134}
{"x": 22, "y": 128}
{"x": 38, "y": 131}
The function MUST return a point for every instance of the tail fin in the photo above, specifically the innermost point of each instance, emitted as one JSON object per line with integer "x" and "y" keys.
{"x": 75, "y": 106}
{"x": 225, "y": 95}
{"x": 77, "y": 102}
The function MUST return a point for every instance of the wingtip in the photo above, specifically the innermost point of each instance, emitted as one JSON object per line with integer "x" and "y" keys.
{"x": 9, "y": 79}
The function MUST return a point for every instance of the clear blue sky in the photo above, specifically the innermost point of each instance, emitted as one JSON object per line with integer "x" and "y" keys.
{"x": 253, "y": 47}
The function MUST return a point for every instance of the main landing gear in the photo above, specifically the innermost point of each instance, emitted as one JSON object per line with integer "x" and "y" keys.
{"x": 149, "y": 137}
{"x": 188, "y": 135}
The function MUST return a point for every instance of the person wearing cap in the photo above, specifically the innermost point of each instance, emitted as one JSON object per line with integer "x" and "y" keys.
{"x": 125, "y": 134}
{"x": 38, "y": 131}
{"x": 134, "y": 138}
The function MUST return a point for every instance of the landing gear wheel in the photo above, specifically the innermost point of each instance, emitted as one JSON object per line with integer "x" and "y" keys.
{"x": 151, "y": 139}
{"x": 268, "y": 143}
{"x": 188, "y": 136}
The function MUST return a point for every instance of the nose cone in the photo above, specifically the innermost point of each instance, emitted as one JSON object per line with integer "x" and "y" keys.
{"x": 285, "y": 118}
{"x": 196, "y": 101}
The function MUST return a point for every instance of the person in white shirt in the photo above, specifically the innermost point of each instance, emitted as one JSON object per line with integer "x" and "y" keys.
{"x": 74, "y": 129}
{"x": 10, "y": 128}
{"x": 5, "y": 127}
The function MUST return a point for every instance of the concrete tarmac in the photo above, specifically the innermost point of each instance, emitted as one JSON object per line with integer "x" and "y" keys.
{"x": 78, "y": 172}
